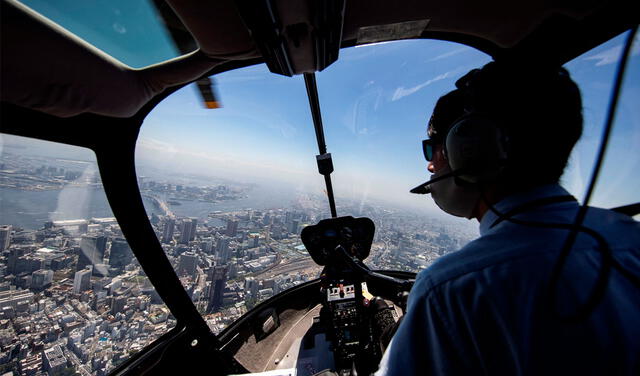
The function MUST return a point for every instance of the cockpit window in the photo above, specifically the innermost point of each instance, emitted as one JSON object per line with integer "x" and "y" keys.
{"x": 376, "y": 102}
{"x": 72, "y": 294}
{"x": 131, "y": 31}
{"x": 594, "y": 72}
{"x": 229, "y": 189}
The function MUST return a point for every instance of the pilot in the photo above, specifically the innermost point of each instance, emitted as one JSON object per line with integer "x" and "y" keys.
{"x": 508, "y": 303}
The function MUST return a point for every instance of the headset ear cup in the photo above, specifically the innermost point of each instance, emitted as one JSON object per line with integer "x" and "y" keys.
{"x": 477, "y": 148}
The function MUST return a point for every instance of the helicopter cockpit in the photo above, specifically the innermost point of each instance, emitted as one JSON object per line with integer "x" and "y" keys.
{"x": 224, "y": 188}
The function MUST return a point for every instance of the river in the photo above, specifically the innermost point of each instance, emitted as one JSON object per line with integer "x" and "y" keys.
{"x": 31, "y": 209}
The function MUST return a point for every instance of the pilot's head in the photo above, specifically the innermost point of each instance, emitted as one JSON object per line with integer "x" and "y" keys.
{"x": 503, "y": 130}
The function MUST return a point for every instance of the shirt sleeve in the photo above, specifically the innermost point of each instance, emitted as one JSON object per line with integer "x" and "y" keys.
{"x": 424, "y": 343}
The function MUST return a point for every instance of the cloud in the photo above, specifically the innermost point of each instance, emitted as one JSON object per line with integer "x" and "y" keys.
{"x": 157, "y": 145}
{"x": 401, "y": 92}
{"x": 613, "y": 54}
{"x": 449, "y": 54}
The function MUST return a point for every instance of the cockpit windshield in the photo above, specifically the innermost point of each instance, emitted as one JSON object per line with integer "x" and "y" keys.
{"x": 229, "y": 190}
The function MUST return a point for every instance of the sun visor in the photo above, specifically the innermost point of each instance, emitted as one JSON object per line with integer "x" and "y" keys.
{"x": 216, "y": 27}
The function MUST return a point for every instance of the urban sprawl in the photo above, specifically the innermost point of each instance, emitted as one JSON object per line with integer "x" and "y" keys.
{"x": 73, "y": 298}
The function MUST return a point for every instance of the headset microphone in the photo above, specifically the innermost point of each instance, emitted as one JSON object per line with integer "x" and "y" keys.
{"x": 424, "y": 189}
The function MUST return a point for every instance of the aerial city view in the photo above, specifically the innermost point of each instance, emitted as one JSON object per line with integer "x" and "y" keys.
{"x": 73, "y": 299}
{"x": 229, "y": 184}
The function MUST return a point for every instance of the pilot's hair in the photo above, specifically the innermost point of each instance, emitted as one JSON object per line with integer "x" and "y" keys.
{"x": 539, "y": 110}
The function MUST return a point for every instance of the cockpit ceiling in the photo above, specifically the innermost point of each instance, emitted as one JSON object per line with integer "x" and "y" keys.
{"x": 46, "y": 68}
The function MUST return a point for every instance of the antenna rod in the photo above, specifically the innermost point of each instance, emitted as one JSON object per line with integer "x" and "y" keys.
{"x": 325, "y": 165}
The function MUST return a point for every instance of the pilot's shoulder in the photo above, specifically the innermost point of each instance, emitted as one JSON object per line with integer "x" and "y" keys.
{"x": 615, "y": 227}
{"x": 470, "y": 258}
{"x": 511, "y": 246}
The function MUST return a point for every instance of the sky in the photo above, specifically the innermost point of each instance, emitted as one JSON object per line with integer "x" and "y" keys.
{"x": 375, "y": 103}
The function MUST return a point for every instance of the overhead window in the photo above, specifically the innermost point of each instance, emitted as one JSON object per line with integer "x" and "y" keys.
{"x": 131, "y": 31}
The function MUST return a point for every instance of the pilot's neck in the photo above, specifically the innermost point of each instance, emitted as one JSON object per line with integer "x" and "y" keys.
{"x": 490, "y": 196}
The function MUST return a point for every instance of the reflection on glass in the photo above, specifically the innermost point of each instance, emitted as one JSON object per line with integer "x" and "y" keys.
{"x": 72, "y": 294}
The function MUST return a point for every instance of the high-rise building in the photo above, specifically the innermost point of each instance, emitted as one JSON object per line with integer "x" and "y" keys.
{"x": 118, "y": 303}
{"x": 216, "y": 291}
{"x": 5, "y": 237}
{"x": 276, "y": 232}
{"x": 15, "y": 253}
{"x": 194, "y": 229}
{"x": 232, "y": 227}
{"x": 82, "y": 280}
{"x": 28, "y": 264}
{"x": 251, "y": 286}
{"x": 91, "y": 251}
{"x": 187, "y": 264}
{"x": 167, "y": 231}
{"x": 121, "y": 254}
{"x": 188, "y": 230}
{"x": 41, "y": 279}
{"x": 54, "y": 360}
{"x": 222, "y": 249}
{"x": 206, "y": 246}
{"x": 293, "y": 226}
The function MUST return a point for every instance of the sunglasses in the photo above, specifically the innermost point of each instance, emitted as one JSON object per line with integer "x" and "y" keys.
{"x": 429, "y": 148}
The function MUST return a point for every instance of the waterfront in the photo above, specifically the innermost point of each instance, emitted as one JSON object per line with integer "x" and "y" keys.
{"x": 31, "y": 209}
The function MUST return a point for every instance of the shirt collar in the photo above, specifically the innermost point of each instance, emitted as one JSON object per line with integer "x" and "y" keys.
{"x": 517, "y": 199}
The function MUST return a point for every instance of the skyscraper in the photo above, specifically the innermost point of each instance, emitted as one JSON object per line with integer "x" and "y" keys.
{"x": 82, "y": 280}
{"x": 222, "y": 249}
{"x": 167, "y": 232}
{"x": 216, "y": 291}
{"x": 194, "y": 228}
{"x": 5, "y": 237}
{"x": 121, "y": 254}
{"x": 232, "y": 228}
{"x": 41, "y": 279}
{"x": 293, "y": 226}
{"x": 251, "y": 286}
{"x": 91, "y": 251}
{"x": 255, "y": 241}
{"x": 188, "y": 230}
{"x": 187, "y": 264}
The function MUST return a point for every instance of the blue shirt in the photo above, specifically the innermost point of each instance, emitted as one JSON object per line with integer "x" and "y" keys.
{"x": 485, "y": 310}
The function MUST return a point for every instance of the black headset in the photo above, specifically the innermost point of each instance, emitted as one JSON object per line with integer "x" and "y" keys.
{"x": 476, "y": 145}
